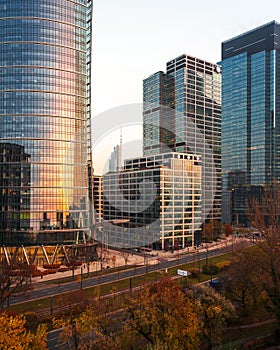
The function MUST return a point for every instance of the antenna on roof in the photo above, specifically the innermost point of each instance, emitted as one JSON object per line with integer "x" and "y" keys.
{"x": 120, "y": 152}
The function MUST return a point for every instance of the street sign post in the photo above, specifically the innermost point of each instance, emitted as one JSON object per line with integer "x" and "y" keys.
{"x": 182, "y": 273}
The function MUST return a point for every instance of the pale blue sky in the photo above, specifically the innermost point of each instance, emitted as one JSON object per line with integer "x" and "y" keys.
{"x": 133, "y": 39}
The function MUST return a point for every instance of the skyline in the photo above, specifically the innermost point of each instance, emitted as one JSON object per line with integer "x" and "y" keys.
{"x": 123, "y": 58}
{"x": 132, "y": 41}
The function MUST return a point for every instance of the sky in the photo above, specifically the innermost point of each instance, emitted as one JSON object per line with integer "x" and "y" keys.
{"x": 133, "y": 39}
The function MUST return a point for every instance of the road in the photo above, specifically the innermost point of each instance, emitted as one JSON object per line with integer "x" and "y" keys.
{"x": 115, "y": 276}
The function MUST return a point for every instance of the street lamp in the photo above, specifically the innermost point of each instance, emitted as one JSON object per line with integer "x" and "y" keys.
{"x": 101, "y": 225}
{"x": 75, "y": 335}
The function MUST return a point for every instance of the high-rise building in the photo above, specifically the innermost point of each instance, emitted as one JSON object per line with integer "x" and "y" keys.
{"x": 154, "y": 200}
{"x": 182, "y": 113}
{"x": 250, "y": 117}
{"x": 45, "y": 60}
{"x": 114, "y": 161}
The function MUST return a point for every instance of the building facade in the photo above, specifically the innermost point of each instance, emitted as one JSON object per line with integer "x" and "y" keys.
{"x": 182, "y": 113}
{"x": 250, "y": 118}
{"x": 155, "y": 200}
{"x": 45, "y": 117}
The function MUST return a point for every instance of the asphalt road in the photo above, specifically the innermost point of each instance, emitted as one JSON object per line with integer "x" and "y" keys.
{"x": 49, "y": 291}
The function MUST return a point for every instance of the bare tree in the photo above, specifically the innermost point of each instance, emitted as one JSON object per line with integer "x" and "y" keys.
{"x": 264, "y": 215}
{"x": 14, "y": 278}
{"x": 125, "y": 256}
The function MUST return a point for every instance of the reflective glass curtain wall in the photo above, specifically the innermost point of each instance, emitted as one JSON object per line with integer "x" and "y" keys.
{"x": 44, "y": 109}
{"x": 250, "y": 118}
{"x": 193, "y": 123}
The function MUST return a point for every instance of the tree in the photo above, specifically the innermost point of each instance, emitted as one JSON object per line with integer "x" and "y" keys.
{"x": 212, "y": 230}
{"x": 242, "y": 281}
{"x": 228, "y": 230}
{"x": 14, "y": 335}
{"x": 100, "y": 326}
{"x": 264, "y": 214}
{"x": 125, "y": 257}
{"x": 164, "y": 317}
{"x": 214, "y": 312}
{"x": 14, "y": 278}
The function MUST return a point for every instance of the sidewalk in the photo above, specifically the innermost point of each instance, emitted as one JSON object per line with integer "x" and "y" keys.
{"x": 114, "y": 258}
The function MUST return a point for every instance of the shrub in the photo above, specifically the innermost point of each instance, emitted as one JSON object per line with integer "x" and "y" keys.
{"x": 210, "y": 269}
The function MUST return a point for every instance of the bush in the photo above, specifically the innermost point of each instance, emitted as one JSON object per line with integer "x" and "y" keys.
{"x": 195, "y": 272}
{"x": 210, "y": 269}
{"x": 63, "y": 269}
{"x": 223, "y": 264}
{"x": 51, "y": 266}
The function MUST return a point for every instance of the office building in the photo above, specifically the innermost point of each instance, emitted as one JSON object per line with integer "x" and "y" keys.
{"x": 250, "y": 118}
{"x": 155, "y": 201}
{"x": 182, "y": 113}
{"x": 44, "y": 120}
{"x": 114, "y": 160}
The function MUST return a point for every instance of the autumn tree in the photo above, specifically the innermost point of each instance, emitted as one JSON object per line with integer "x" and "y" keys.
{"x": 164, "y": 317}
{"x": 243, "y": 283}
{"x": 15, "y": 336}
{"x": 228, "y": 230}
{"x": 214, "y": 312}
{"x": 14, "y": 278}
{"x": 212, "y": 230}
{"x": 100, "y": 326}
{"x": 264, "y": 214}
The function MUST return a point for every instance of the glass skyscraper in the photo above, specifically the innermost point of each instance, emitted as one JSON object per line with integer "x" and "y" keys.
{"x": 250, "y": 117}
{"x": 44, "y": 120}
{"x": 182, "y": 113}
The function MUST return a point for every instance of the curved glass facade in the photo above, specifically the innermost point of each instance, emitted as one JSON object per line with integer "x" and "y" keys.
{"x": 44, "y": 120}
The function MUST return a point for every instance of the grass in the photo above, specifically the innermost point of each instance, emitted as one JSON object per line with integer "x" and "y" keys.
{"x": 234, "y": 338}
{"x": 63, "y": 280}
{"x": 34, "y": 306}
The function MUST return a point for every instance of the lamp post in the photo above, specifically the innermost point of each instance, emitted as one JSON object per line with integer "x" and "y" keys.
{"x": 75, "y": 335}
{"x": 198, "y": 266}
{"x": 101, "y": 225}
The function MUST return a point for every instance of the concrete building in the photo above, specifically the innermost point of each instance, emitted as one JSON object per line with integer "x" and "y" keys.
{"x": 154, "y": 201}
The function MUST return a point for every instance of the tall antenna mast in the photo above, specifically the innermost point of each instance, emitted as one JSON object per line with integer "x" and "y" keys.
{"x": 120, "y": 152}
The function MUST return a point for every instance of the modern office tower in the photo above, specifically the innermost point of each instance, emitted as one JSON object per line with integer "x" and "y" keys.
{"x": 182, "y": 113}
{"x": 114, "y": 161}
{"x": 154, "y": 200}
{"x": 250, "y": 117}
{"x": 44, "y": 120}
{"x": 159, "y": 121}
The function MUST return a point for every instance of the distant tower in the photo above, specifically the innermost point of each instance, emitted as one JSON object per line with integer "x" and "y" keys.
{"x": 120, "y": 151}
{"x": 114, "y": 160}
